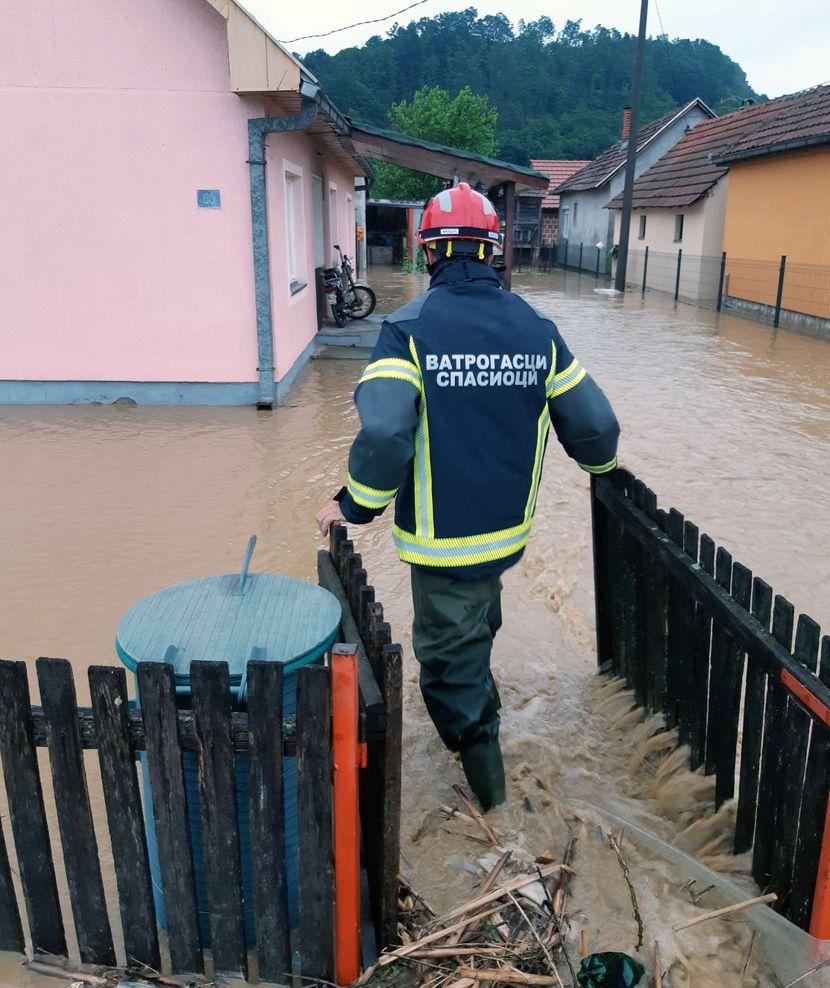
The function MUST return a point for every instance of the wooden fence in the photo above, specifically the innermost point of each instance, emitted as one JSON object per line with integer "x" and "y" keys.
{"x": 218, "y": 734}
{"x": 703, "y": 642}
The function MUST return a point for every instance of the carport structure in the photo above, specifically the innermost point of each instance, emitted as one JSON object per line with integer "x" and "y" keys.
{"x": 489, "y": 175}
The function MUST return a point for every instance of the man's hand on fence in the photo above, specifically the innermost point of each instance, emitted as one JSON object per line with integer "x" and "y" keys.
{"x": 327, "y": 516}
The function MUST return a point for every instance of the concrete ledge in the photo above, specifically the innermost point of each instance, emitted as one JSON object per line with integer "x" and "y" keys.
{"x": 799, "y": 322}
{"x": 358, "y": 333}
{"x": 324, "y": 352}
{"x": 148, "y": 392}
{"x": 138, "y": 392}
{"x": 286, "y": 382}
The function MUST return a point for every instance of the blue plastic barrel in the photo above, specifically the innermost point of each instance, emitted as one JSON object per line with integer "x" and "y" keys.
{"x": 230, "y": 618}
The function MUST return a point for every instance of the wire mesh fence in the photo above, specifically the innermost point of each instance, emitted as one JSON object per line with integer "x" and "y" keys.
{"x": 586, "y": 258}
{"x": 779, "y": 291}
{"x": 687, "y": 277}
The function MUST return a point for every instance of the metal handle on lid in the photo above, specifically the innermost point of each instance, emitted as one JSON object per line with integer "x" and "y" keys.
{"x": 246, "y": 562}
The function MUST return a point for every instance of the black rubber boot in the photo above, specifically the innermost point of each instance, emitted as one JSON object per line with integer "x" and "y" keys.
{"x": 484, "y": 769}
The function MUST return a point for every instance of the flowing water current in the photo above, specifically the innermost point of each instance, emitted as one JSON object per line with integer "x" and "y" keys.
{"x": 726, "y": 419}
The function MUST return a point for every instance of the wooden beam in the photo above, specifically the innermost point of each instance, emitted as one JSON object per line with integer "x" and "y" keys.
{"x": 509, "y": 221}
{"x": 439, "y": 161}
{"x": 138, "y": 739}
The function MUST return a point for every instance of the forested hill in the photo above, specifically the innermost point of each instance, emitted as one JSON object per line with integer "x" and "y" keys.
{"x": 558, "y": 90}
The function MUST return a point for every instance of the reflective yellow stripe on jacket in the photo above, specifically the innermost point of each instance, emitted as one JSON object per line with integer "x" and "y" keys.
{"x": 466, "y": 551}
{"x": 393, "y": 368}
{"x": 424, "y": 519}
{"x": 566, "y": 379}
{"x": 604, "y": 468}
{"x": 542, "y": 430}
{"x": 368, "y": 497}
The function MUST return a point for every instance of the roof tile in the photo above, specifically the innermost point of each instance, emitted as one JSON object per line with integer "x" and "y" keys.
{"x": 557, "y": 171}
{"x": 689, "y": 169}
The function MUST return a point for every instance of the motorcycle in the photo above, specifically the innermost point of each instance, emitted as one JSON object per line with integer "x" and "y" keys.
{"x": 348, "y": 299}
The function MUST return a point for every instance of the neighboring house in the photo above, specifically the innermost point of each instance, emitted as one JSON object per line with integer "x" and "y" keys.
{"x": 712, "y": 192}
{"x": 392, "y": 229}
{"x": 159, "y": 243}
{"x": 557, "y": 172}
{"x": 783, "y": 159}
{"x": 527, "y": 221}
{"x": 583, "y": 217}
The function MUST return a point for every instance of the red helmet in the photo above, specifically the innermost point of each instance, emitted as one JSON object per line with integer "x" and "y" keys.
{"x": 460, "y": 213}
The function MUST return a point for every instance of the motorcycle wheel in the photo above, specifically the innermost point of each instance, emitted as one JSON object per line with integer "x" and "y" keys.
{"x": 339, "y": 315}
{"x": 363, "y": 303}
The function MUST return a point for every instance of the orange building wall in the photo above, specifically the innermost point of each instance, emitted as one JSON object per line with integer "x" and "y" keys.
{"x": 779, "y": 205}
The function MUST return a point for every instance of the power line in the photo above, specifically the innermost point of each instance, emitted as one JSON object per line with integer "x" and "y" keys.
{"x": 668, "y": 51}
{"x": 337, "y": 30}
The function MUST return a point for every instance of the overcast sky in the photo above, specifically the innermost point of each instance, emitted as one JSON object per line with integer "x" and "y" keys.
{"x": 783, "y": 45}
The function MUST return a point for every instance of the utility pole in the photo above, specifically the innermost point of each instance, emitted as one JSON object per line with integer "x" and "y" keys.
{"x": 631, "y": 160}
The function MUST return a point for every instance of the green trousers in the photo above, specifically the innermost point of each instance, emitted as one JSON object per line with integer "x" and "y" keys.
{"x": 455, "y": 624}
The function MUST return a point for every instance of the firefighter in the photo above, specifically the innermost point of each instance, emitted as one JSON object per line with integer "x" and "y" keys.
{"x": 455, "y": 408}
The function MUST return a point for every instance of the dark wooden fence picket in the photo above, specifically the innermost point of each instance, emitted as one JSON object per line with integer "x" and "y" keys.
{"x": 80, "y": 847}
{"x": 315, "y": 865}
{"x": 270, "y": 887}
{"x": 771, "y": 781}
{"x": 702, "y": 653}
{"x": 11, "y": 929}
{"x": 27, "y": 813}
{"x": 753, "y": 727}
{"x": 813, "y": 804}
{"x": 125, "y": 817}
{"x": 156, "y": 693}
{"x": 211, "y": 698}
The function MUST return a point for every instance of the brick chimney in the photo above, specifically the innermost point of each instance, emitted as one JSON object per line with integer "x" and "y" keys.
{"x": 626, "y": 122}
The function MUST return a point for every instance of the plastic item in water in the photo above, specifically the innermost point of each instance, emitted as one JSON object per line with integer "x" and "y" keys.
{"x": 611, "y": 969}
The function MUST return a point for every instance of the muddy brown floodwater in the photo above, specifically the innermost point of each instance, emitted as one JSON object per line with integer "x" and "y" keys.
{"x": 724, "y": 418}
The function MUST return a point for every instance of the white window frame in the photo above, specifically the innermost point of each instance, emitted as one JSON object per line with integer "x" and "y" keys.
{"x": 679, "y": 223}
{"x": 641, "y": 230}
{"x": 295, "y": 250}
{"x": 318, "y": 236}
{"x": 564, "y": 218}
{"x": 334, "y": 223}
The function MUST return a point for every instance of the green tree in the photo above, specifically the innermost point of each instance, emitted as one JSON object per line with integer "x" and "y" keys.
{"x": 466, "y": 121}
{"x": 559, "y": 89}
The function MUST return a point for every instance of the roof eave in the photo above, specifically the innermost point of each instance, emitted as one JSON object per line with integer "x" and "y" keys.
{"x": 767, "y": 150}
{"x": 681, "y": 201}
{"x": 436, "y": 159}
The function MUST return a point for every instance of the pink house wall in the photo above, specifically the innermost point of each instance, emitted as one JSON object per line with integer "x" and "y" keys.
{"x": 113, "y": 113}
{"x": 295, "y": 154}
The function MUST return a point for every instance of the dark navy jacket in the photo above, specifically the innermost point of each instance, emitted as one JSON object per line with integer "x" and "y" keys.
{"x": 455, "y": 409}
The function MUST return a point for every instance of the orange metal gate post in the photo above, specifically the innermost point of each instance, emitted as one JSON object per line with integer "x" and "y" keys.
{"x": 348, "y": 757}
{"x": 820, "y": 918}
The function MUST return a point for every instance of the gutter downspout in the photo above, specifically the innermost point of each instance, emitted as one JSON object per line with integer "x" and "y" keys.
{"x": 257, "y": 129}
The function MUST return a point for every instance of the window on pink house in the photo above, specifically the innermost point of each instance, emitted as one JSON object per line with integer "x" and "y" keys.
{"x": 294, "y": 239}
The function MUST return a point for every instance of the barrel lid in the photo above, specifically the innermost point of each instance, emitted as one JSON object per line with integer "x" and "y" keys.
{"x": 226, "y": 618}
